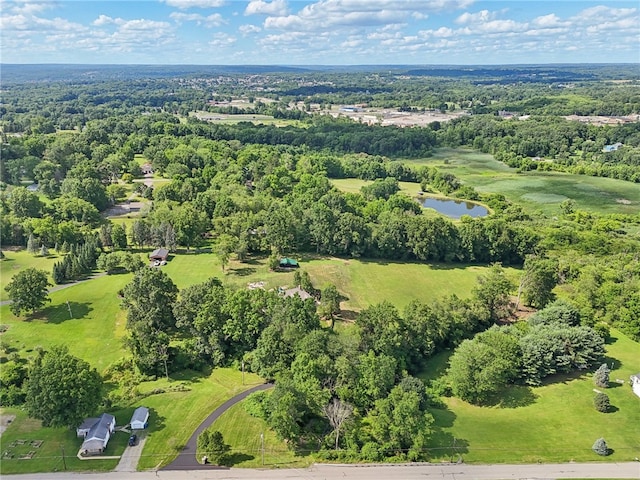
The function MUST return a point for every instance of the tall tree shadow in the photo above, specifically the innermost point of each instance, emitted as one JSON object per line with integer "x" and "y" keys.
{"x": 444, "y": 445}
{"x": 237, "y": 457}
{"x": 62, "y": 312}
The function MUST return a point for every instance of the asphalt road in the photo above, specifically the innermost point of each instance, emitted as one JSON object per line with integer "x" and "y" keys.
{"x": 371, "y": 472}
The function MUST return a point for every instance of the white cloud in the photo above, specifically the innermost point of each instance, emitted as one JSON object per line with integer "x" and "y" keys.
{"x": 222, "y": 40}
{"x": 213, "y": 20}
{"x": 277, "y": 8}
{"x": 327, "y": 14}
{"x": 549, "y": 21}
{"x": 249, "y": 29}
{"x": 184, "y": 4}
{"x": 479, "y": 17}
{"x": 27, "y": 7}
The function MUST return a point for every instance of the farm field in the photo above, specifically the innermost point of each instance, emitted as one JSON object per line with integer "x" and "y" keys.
{"x": 552, "y": 423}
{"x": 541, "y": 191}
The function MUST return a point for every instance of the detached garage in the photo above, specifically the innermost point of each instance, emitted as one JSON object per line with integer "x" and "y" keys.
{"x": 140, "y": 418}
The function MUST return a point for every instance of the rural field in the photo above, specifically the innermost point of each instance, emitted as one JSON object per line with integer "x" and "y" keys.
{"x": 96, "y": 326}
{"x": 537, "y": 191}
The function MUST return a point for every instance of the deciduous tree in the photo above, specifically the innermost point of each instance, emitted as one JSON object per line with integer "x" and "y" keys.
{"x": 28, "y": 291}
{"x": 62, "y": 389}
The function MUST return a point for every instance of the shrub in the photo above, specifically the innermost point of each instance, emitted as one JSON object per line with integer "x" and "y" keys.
{"x": 600, "y": 447}
{"x": 601, "y": 402}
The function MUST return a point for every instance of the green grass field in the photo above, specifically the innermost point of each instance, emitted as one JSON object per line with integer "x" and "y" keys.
{"x": 94, "y": 333}
{"x": 242, "y": 432}
{"x": 541, "y": 191}
{"x": 16, "y": 261}
{"x": 552, "y": 423}
{"x": 363, "y": 282}
{"x": 175, "y": 415}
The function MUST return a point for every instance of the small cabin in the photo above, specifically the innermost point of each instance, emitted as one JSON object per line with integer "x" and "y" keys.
{"x": 159, "y": 254}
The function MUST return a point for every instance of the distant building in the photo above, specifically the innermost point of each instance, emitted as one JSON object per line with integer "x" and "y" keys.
{"x": 147, "y": 169}
{"x": 611, "y": 148}
{"x": 159, "y": 254}
{"x": 292, "y": 292}
{"x": 288, "y": 263}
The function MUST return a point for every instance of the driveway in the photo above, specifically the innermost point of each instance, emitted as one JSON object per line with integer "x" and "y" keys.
{"x": 186, "y": 459}
{"x": 131, "y": 456}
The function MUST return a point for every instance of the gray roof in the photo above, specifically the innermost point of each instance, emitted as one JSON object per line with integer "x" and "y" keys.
{"x": 141, "y": 414}
{"x": 88, "y": 423}
{"x": 159, "y": 253}
{"x": 101, "y": 429}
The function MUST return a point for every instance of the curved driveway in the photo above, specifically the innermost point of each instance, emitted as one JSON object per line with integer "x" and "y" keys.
{"x": 186, "y": 459}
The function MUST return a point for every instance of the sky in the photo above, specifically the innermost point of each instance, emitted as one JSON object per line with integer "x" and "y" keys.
{"x": 319, "y": 32}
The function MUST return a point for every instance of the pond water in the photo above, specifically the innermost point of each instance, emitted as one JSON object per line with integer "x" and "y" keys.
{"x": 454, "y": 208}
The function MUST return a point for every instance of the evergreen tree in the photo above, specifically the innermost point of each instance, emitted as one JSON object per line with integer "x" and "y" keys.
{"x": 601, "y": 376}
{"x": 31, "y": 245}
{"x": 601, "y": 402}
{"x": 600, "y": 447}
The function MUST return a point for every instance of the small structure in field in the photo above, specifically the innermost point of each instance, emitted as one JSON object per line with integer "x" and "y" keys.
{"x": 635, "y": 383}
{"x": 96, "y": 433}
{"x": 292, "y": 292}
{"x": 288, "y": 263}
{"x": 140, "y": 418}
{"x": 160, "y": 255}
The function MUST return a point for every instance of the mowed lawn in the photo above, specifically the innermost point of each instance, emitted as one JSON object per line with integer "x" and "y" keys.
{"x": 56, "y": 442}
{"x": 176, "y": 414}
{"x": 243, "y": 433}
{"x": 552, "y": 423}
{"x": 17, "y": 261}
{"x": 92, "y": 331}
{"x": 542, "y": 191}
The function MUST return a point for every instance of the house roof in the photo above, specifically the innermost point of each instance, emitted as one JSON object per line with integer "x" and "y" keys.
{"x": 88, "y": 423}
{"x": 161, "y": 253}
{"x": 102, "y": 428}
{"x": 297, "y": 291}
{"x": 636, "y": 376}
{"x": 141, "y": 414}
{"x": 92, "y": 445}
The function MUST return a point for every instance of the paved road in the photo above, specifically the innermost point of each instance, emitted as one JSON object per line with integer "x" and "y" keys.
{"x": 386, "y": 472}
{"x": 186, "y": 459}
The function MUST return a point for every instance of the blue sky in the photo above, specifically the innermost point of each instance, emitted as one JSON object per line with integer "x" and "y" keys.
{"x": 314, "y": 32}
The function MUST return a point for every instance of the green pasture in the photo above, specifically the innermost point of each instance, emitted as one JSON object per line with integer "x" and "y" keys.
{"x": 541, "y": 191}
{"x": 552, "y": 423}
{"x": 353, "y": 185}
{"x": 362, "y": 282}
{"x": 92, "y": 331}
{"x": 16, "y": 261}
{"x": 242, "y": 432}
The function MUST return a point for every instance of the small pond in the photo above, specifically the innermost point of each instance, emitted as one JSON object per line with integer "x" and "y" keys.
{"x": 453, "y": 208}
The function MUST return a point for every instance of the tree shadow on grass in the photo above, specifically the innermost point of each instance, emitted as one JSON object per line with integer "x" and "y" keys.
{"x": 443, "y": 445}
{"x": 156, "y": 421}
{"x": 236, "y": 458}
{"x": 61, "y": 313}
{"x": 243, "y": 271}
{"x": 516, "y": 396}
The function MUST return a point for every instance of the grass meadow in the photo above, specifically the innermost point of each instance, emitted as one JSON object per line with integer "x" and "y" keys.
{"x": 541, "y": 191}
{"x": 17, "y": 261}
{"x": 555, "y": 422}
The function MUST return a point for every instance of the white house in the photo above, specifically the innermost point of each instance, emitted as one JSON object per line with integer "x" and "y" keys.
{"x": 140, "y": 418}
{"x": 96, "y": 433}
{"x": 635, "y": 383}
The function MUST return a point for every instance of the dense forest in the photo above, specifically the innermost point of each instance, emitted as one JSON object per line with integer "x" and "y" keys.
{"x": 261, "y": 190}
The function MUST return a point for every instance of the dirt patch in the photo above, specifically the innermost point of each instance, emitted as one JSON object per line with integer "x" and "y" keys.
{"x": 5, "y": 421}
{"x": 623, "y": 201}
